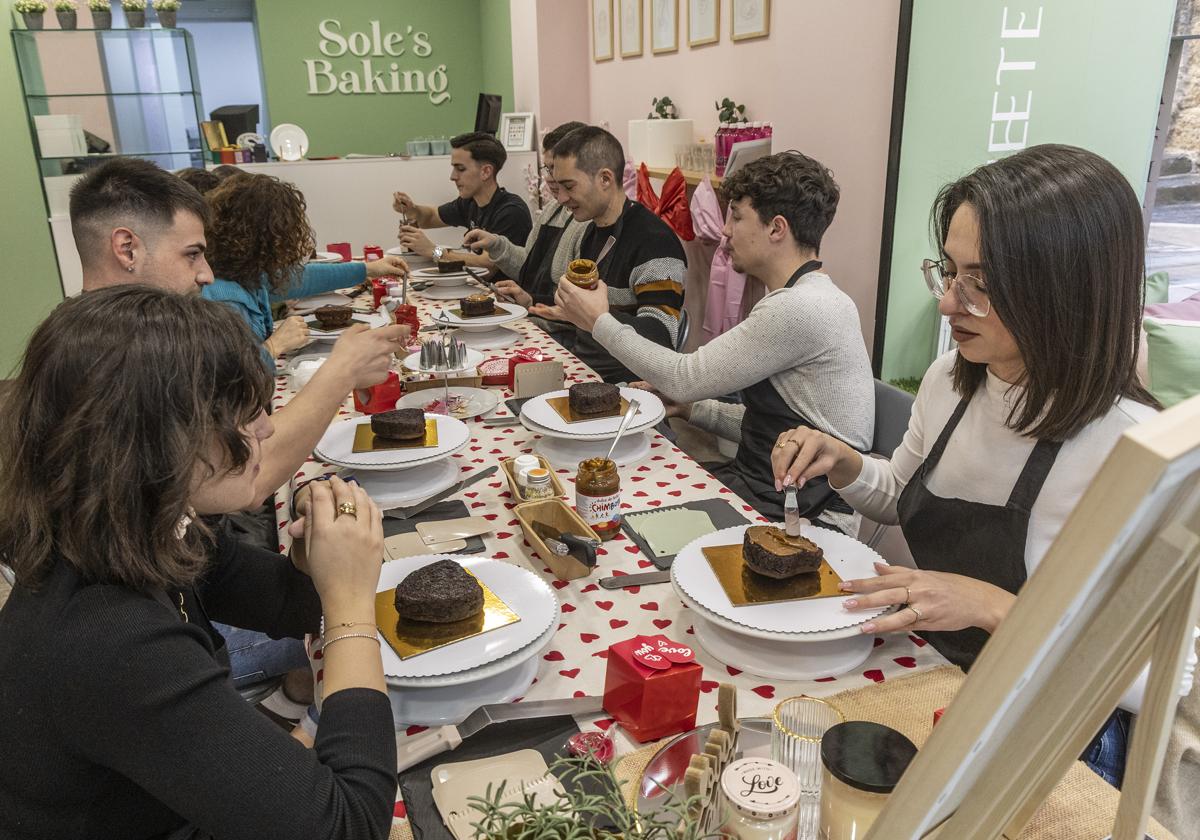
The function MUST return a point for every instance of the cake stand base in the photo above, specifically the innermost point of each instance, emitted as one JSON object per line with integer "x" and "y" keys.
{"x": 566, "y": 454}
{"x": 452, "y": 703}
{"x": 491, "y": 340}
{"x": 785, "y": 659}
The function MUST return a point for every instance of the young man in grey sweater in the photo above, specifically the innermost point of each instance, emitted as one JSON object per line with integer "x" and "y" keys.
{"x": 797, "y": 360}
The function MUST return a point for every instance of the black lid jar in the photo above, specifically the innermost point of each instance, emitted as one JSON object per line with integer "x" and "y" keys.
{"x": 862, "y": 763}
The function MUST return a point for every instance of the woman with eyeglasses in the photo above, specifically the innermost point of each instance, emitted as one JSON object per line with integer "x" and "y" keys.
{"x": 553, "y": 242}
{"x": 1040, "y": 275}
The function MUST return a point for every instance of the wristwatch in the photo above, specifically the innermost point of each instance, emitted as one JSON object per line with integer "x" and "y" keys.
{"x": 438, "y": 252}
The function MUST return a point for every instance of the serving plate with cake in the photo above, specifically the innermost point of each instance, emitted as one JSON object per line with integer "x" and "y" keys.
{"x": 479, "y": 311}
{"x": 329, "y": 321}
{"x": 769, "y": 604}
{"x": 590, "y": 411}
{"x": 435, "y": 277}
{"x": 395, "y": 440}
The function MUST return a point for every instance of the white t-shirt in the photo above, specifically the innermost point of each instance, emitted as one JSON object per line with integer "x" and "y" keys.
{"x": 984, "y": 457}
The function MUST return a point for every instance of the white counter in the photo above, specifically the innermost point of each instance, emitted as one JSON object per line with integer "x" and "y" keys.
{"x": 349, "y": 200}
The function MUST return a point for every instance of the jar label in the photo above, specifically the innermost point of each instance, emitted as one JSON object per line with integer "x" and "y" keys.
{"x": 599, "y": 510}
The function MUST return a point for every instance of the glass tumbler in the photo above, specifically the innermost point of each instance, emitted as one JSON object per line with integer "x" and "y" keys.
{"x": 796, "y": 730}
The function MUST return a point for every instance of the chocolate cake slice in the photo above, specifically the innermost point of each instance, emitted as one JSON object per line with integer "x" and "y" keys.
{"x": 441, "y": 592}
{"x": 476, "y": 305}
{"x": 332, "y": 317}
{"x": 594, "y": 398}
{"x": 450, "y": 266}
{"x": 771, "y": 552}
{"x": 400, "y": 424}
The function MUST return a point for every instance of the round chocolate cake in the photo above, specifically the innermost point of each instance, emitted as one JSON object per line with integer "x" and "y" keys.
{"x": 332, "y": 317}
{"x": 476, "y": 305}
{"x": 442, "y": 592}
{"x": 400, "y": 424}
{"x": 771, "y": 552}
{"x": 594, "y": 398}
{"x": 450, "y": 266}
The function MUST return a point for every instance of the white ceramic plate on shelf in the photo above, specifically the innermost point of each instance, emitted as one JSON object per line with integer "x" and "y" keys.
{"x": 337, "y": 446}
{"x": 526, "y": 594}
{"x": 693, "y": 576}
{"x": 289, "y": 142}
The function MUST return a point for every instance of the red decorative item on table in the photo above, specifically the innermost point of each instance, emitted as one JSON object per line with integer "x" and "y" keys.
{"x": 652, "y": 687}
{"x": 372, "y": 252}
{"x": 342, "y": 249}
{"x": 379, "y": 398}
{"x": 406, "y": 313}
{"x": 498, "y": 370}
{"x": 378, "y": 291}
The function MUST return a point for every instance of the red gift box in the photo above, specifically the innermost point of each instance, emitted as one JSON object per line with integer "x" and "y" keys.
{"x": 379, "y": 398}
{"x": 650, "y": 702}
{"x": 372, "y": 252}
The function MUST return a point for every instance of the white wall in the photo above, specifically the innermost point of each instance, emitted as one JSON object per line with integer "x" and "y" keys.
{"x": 227, "y": 60}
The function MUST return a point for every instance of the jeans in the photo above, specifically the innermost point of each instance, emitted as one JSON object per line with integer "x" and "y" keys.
{"x": 255, "y": 657}
{"x": 1106, "y": 754}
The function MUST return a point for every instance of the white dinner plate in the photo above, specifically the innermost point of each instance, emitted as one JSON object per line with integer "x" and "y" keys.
{"x": 409, "y": 487}
{"x": 371, "y": 319}
{"x": 433, "y": 292}
{"x": 325, "y": 257}
{"x": 480, "y": 401}
{"x": 474, "y": 357}
{"x": 694, "y": 577}
{"x": 526, "y": 594}
{"x": 507, "y": 313}
{"x": 337, "y": 444}
{"x": 289, "y": 142}
{"x": 548, "y": 421}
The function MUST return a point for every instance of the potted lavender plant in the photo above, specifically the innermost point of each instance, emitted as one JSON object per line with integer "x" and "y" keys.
{"x": 167, "y": 10}
{"x": 31, "y": 12}
{"x": 67, "y": 12}
{"x": 135, "y": 12}
{"x": 101, "y": 14}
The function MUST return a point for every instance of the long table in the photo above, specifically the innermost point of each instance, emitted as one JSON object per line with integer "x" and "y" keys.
{"x": 594, "y": 618}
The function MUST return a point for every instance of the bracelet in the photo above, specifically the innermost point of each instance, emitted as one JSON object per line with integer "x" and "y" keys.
{"x": 371, "y": 636}
{"x": 351, "y": 624}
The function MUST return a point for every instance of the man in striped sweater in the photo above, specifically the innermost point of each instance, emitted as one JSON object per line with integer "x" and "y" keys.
{"x": 644, "y": 269}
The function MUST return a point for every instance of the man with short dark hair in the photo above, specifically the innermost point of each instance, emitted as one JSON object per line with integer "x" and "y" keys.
{"x": 643, "y": 272}
{"x": 475, "y": 161}
{"x": 797, "y": 360}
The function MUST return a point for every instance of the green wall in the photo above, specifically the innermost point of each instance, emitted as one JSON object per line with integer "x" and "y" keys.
{"x": 470, "y": 37}
{"x": 1097, "y": 83}
{"x": 29, "y": 282}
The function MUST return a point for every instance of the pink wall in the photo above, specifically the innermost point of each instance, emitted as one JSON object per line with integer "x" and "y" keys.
{"x": 823, "y": 76}
{"x": 563, "y": 66}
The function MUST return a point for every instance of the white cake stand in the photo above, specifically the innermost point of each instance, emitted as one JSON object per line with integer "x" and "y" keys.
{"x": 494, "y": 339}
{"x": 566, "y": 453}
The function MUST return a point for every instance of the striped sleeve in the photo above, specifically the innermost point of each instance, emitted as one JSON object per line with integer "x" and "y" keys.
{"x": 652, "y": 307}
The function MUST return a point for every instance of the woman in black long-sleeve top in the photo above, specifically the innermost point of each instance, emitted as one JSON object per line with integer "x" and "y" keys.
{"x": 135, "y": 412}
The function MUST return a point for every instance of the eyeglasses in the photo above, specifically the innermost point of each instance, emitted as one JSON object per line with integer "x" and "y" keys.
{"x": 971, "y": 292}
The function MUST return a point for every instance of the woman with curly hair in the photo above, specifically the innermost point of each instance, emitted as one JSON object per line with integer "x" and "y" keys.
{"x": 259, "y": 240}
{"x": 137, "y": 412}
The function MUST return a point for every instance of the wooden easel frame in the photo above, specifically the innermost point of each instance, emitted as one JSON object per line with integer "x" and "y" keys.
{"x": 1119, "y": 587}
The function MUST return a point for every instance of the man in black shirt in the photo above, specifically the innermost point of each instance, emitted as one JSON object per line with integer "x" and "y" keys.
{"x": 644, "y": 270}
{"x": 475, "y": 161}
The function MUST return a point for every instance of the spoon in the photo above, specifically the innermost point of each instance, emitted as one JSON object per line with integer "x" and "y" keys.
{"x": 625, "y": 421}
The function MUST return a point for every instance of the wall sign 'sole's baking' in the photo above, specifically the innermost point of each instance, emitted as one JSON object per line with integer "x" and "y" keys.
{"x": 368, "y": 77}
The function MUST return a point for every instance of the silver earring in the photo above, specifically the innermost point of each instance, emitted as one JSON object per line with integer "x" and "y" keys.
{"x": 129, "y": 269}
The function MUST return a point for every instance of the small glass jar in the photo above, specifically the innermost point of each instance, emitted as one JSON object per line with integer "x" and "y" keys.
{"x": 862, "y": 763}
{"x": 762, "y": 796}
{"x": 537, "y": 484}
{"x": 521, "y": 465}
{"x": 583, "y": 273}
{"x": 598, "y": 496}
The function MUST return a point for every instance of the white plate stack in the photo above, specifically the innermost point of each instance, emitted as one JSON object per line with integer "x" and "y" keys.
{"x": 445, "y": 685}
{"x": 790, "y": 640}
{"x": 337, "y": 446}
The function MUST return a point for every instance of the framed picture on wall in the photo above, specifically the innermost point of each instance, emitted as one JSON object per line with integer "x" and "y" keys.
{"x": 516, "y": 132}
{"x": 704, "y": 22}
{"x": 749, "y": 19}
{"x": 631, "y": 28}
{"x": 602, "y": 30}
{"x": 664, "y": 26}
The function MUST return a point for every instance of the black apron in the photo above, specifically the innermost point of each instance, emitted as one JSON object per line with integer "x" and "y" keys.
{"x": 985, "y": 542}
{"x": 767, "y": 417}
{"x": 536, "y": 275}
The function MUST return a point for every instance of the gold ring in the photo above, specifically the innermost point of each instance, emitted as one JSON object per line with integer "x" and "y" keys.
{"x": 785, "y": 443}
{"x": 916, "y": 612}
{"x": 907, "y": 595}
{"x": 349, "y": 508}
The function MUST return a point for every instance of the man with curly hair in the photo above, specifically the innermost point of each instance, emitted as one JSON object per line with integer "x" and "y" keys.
{"x": 797, "y": 360}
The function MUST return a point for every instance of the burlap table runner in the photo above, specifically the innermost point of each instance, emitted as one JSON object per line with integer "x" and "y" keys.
{"x": 1082, "y": 806}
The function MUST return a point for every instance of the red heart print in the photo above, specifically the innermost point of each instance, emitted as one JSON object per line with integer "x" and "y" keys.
{"x": 632, "y": 549}
{"x": 878, "y": 642}
{"x": 554, "y": 656}
{"x": 617, "y": 623}
{"x": 602, "y": 654}
{"x": 587, "y": 638}
{"x": 825, "y": 679}
{"x": 570, "y": 673}
{"x": 604, "y": 605}
{"x": 500, "y": 555}
{"x": 642, "y": 564}
{"x": 650, "y": 605}
{"x": 662, "y": 623}
{"x": 708, "y": 685}
{"x": 579, "y": 694}
{"x": 415, "y": 730}
{"x": 905, "y": 661}
{"x": 764, "y": 691}
{"x": 918, "y": 641}
{"x": 874, "y": 674}
{"x": 604, "y": 724}
{"x": 567, "y": 607}
{"x": 558, "y": 584}
{"x": 591, "y": 587}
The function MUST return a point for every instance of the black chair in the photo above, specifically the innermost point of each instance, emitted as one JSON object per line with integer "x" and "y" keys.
{"x": 681, "y": 334}
{"x": 893, "y": 407}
